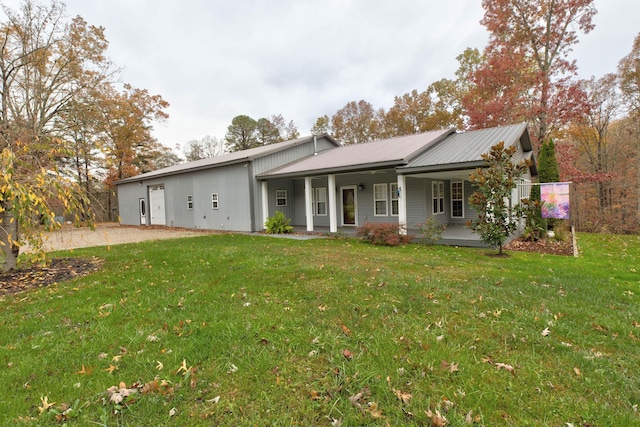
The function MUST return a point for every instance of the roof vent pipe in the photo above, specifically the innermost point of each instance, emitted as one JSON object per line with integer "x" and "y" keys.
{"x": 315, "y": 145}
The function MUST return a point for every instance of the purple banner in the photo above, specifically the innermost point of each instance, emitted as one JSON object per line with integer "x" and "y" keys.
{"x": 555, "y": 198}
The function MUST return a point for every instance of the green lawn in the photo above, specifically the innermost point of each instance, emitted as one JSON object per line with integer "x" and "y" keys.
{"x": 251, "y": 330}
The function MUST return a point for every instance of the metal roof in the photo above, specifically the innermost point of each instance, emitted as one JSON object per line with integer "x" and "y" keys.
{"x": 226, "y": 159}
{"x": 465, "y": 149}
{"x": 391, "y": 152}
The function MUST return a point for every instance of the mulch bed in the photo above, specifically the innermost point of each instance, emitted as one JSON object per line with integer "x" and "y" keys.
{"x": 58, "y": 270}
{"x": 543, "y": 246}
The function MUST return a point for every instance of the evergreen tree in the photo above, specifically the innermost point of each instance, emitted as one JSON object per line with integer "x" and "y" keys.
{"x": 548, "y": 171}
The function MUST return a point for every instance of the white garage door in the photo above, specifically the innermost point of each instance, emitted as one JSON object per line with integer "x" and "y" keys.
{"x": 156, "y": 200}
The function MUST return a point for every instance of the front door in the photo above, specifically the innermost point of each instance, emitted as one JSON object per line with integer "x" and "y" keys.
{"x": 349, "y": 208}
{"x": 156, "y": 200}
{"x": 143, "y": 211}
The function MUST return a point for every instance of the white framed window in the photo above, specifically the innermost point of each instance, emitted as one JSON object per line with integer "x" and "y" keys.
{"x": 320, "y": 201}
{"x": 380, "y": 199}
{"x": 457, "y": 199}
{"x": 190, "y": 202}
{"x": 393, "y": 189}
{"x": 281, "y": 197}
{"x": 214, "y": 201}
{"x": 437, "y": 194}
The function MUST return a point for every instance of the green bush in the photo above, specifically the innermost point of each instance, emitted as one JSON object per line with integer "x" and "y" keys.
{"x": 430, "y": 232}
{"x": 384, "y": 233}
{"x": 278, "y": 224}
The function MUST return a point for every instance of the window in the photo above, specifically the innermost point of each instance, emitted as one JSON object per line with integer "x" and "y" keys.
{"x": 457, "y": 199}
{"x": 281, "y": 197}
{"x": 190, "y": 202}
{"x": 394, "y": 198}
{"x": 214, "y": 200}
{"x": 380, "y": 199}
{"x": 437, "y": 193}
{"x": 320, "y": 201}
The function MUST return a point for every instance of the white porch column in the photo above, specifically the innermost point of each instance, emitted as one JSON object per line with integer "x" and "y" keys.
{"x": 333, "y": 209}
{"x": 265, "y": 203}
{"x": 402, "y": 204}
{"x": 308, "y": 201}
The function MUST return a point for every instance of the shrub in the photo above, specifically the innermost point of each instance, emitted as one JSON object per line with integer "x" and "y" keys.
{"x": 278, "y": 224}
{"x": 386, "y": 234}
{"x": 430, "y": 232}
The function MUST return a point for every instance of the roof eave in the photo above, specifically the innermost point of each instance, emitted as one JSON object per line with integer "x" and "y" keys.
{"x": 146, "y": 177}
{"x": 336, "y": 170}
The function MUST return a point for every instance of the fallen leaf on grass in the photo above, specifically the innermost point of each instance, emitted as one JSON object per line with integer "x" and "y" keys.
{"x": 84, "y": 371}
{"x": 451, "y": 367}
{"x": 577, "y": 372}
{"x": 373, "y": 410}
{"x": 402, "y": 396}
{"x": 506, "y": 367}
{"x": 183, "y": 368}
{"x": 470, "y": 419}
{"x": 545, "y": 332}
{"x": 437, "y": 419}
{"x": 346, "y": 330}
{"x": 45, "y": 404}
{"x": 214, "y": 400}
{"x": 347, "y": 354}
{"x": 173, "y": 412}
{"x": 111, "y": 368}
{"x": 355, "y": 398}
{"x": 159, "y": 366}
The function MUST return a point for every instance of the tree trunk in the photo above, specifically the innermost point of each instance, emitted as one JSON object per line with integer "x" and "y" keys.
{"x": 8, "y": 237}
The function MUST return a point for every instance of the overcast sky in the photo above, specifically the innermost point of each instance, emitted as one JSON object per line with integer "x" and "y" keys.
{"x": 215, "y": 59}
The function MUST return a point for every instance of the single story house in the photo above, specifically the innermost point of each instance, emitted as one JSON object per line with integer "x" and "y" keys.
{"x": 321, "y": 185}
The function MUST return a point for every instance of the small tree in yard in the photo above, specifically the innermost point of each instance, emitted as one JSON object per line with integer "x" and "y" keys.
{"x": 497, "y": 218}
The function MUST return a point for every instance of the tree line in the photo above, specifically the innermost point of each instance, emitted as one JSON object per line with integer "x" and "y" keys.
{"x": 68, "y": 128}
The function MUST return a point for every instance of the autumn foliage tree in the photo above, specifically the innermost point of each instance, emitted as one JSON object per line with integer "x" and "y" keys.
{"x": 45, "y": 62}
{"x": 60, "y": 118}
{"x": 357, "y": 122}
{"x": 526, "y": 73}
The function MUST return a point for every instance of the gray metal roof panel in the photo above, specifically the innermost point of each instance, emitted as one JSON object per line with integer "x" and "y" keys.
{"x": 469, "y": 146}
{"x": 387, "y": 152}
{"x": 225, "y": 159}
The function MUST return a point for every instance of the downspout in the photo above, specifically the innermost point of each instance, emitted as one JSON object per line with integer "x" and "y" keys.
{"x": 315, "y": 145}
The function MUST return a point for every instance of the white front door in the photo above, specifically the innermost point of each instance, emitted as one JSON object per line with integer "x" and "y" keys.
{"x": 156, "y": 200}
{"x": 143, "y": 211}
